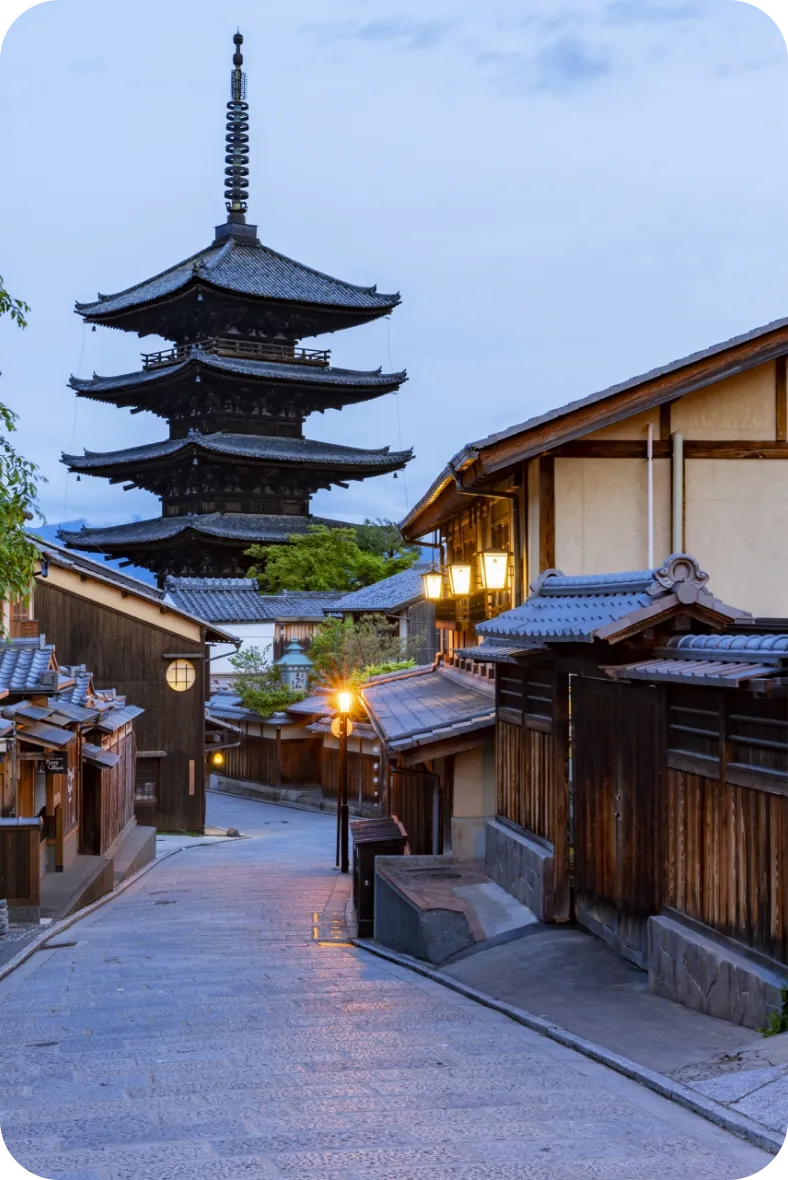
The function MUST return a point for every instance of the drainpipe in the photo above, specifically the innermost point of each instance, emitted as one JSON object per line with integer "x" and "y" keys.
{"x": 677, "y": 535}
{"x": 514, "y": 498}
{"x": 650, "y": 453}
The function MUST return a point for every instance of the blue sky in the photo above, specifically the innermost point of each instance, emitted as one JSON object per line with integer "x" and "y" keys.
{"x": 564, "y": 195}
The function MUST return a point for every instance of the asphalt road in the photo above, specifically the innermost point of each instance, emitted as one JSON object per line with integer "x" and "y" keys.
{"x": 211, "y": 1024}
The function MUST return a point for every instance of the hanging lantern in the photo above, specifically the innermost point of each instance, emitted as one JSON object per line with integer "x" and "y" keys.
{"x": 218, "y": 758}
{"x": 294, "y": 668}
{"x": 460, "y": 579}
{"x": 494, "y": 565}
{"x": 433, "y": 585}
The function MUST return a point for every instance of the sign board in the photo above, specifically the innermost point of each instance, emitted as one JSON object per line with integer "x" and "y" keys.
{"x": 336, "y": 727}
{"x": 56, "y": 762}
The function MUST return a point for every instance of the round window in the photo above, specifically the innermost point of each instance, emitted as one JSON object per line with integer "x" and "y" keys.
{"x": 181, "y": 675}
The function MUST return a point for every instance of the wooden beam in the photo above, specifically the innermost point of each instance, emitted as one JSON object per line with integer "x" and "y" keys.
{"x": 782, "y": 399}
{"x": 699, "y": 449}
{"x": 546, "y": 513}
{"x": 665, "y": 428}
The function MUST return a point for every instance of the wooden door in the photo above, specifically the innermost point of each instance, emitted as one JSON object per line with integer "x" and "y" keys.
{"x": 413, "y": 795}
{"x": 617, "y": 766}
{"x": 90, "y": 817}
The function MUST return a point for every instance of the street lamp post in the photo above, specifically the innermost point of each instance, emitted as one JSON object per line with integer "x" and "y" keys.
{"x": 345, "y": 700}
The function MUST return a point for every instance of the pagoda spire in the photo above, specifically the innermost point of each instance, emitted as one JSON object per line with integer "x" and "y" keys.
{"x": 236, "y": 172}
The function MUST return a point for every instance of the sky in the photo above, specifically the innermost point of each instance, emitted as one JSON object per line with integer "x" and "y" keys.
{"x": 564, "y": 195}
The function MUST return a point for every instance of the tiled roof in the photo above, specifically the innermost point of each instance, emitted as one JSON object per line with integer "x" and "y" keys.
{"x": 47, "y": 735}
{"x": 426, "y": 706}
{"x": 23, "y": 663}
{"x": 77, "y": 693}
{"x": 725, "y": 661}
{"x": 247, "y": 268}
{"x": 230, "y": 526}
{"x": 96, "y": 756}
{"x": 113, "y": 719}
{"x": 318, "y": 704}
{"x": 238, "y": 600}
{"x": 226, "y": 706}
{"x": 253, "y": 447}
{"x": 564, "y": 608}
{"x": 391, "y": 594}
{"x": 295, "y": 374}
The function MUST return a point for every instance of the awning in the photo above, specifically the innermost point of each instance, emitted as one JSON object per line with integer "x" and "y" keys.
{"x": 96, "y": 756}
{"x": 496, "y": 653}
{"x": 114, "y": 719}
{"x": 50, "y": 736}
{"x": 719, "y": 673}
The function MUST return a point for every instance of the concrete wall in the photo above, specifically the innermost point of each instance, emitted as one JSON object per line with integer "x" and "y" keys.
{"x": 474, "y": 801}
{"x": 601, "y": 514}
{"x": 522, "y": 864}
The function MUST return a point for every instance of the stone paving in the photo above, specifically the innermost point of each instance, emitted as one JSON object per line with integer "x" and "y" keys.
{"x": 211, "y": 1023}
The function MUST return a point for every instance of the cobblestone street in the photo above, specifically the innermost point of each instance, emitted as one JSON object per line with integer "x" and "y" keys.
{"x": 210, "y": 1024}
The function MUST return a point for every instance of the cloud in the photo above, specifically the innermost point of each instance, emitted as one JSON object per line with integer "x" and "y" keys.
{"x": 645, "y": 12}
{"x": 411, "y": 34}
{"x": 561, "y": 66}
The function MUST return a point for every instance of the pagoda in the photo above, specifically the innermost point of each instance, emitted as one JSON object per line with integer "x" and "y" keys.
{"x": 235, "y": 388}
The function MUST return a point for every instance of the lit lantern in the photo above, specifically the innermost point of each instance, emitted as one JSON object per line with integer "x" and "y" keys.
{"x": 294, "y": 668}
{"x": 433, "y": 585}
{"x": 495, "y": 569}
{"x": 218, "y": 758}
{"x": 344, "y": 701}
{"x": 460, "y": 579}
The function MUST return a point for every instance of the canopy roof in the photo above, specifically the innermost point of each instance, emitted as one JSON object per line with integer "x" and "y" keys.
{"x": 353, "y": 462}
{"x": 245, "y": 270}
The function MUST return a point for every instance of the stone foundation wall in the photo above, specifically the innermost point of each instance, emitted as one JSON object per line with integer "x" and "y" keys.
{"x": 710, "y": 975}
{"x": 521, "y": 864}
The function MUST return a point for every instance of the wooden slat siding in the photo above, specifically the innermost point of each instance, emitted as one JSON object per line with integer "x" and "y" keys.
{"x": 411, "y": 794}
{"x": 117, "y": 791}
{"x": 781, "y": 385}
{"x": 546, "y": 513}
{"x": 256, "y": 761}
{"x": 126, "y": 653}
{"x": 19, "y": 866}
{"x": 361, "y": 773}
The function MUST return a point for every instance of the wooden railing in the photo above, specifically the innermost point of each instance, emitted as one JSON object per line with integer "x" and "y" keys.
{"x": 259, "y": 350}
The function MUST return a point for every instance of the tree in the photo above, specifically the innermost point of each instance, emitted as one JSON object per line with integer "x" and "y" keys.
{"x": 321, "y": 559}
{"x": 347, "y": 651}
{"x": 17, "y": 487}
{"x": 258, "y": 684}
{"x": 383, "y": 538}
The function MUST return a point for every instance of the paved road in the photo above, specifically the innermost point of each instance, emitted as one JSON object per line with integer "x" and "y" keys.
{"x": 206, "y": 1027}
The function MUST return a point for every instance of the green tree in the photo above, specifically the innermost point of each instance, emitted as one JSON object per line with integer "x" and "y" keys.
{"x": 348, "y": 651}
{"x": 321, "y": 559}
{"x": 383, "y": 538}
{"x": 258, "y": 684}
{"x": 17, "y": 487}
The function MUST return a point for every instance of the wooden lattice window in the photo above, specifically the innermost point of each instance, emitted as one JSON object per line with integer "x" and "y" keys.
{"x": 694, "y": 728}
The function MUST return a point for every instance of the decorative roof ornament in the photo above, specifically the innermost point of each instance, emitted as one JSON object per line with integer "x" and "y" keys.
{"x": 237, "y": 158}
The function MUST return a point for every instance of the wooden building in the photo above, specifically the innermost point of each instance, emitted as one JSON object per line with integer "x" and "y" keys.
{"x": 400, "y": 599}
{"x": 235, "y": 389}
{"x": 666, "y": 830}
{"x": 150, "y": 651}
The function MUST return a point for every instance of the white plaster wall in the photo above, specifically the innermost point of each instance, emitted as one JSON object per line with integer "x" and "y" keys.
{"x": 601, "y": 514}
{"x": 630, "y": 428}
{"x": 741, "y": 407}
{"x": 260, "y": 635}
{"x": 736, "y": 526}
{"x": 474, "y": 801}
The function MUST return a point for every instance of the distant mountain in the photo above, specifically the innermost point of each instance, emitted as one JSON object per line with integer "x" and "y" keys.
{"x": 49, "y": 533}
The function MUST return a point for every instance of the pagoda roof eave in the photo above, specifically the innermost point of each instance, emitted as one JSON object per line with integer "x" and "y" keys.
{"x": 221, "y": 527}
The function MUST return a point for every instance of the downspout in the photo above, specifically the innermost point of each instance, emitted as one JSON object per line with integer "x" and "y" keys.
{"x": 677, "y": 532}
{"x": 650, "y": 452}
{"x": 514, "y": 498}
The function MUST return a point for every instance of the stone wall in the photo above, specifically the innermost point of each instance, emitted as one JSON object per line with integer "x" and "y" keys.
{"x": 522, "y": 864}
{"x": 711, "y": 975}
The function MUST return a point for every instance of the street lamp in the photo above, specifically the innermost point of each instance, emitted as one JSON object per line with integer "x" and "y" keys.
{"x": 460, "y": 578}
{"x": 218, "y": 758}
{"x": 494, "y": 567}
{"x": 345, "y": 705}
{"x": 433, "y": 585}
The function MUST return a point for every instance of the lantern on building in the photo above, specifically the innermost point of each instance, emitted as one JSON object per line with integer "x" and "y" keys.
{"x": 494, "y": 566}
{"x": 433, "y": 585}
{"x": 218, "y": 758}
{"x": 460, "y": 578}
{"x": 294, "y": 668}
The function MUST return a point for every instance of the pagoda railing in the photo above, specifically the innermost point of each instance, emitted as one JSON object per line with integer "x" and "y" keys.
{"x": 259, "y": 350}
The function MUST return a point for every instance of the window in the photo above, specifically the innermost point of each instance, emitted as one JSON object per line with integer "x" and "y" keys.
{"x": 181, "y": 675}
{"x": 146, "y": 781}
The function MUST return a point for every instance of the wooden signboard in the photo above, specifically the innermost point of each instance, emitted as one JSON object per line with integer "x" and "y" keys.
{"x": 56, "y": 762}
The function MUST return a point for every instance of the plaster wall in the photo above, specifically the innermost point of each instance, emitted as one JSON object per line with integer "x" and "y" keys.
{"x": 630, "y": 428}
{"x": 740, "y": 407}
{"x": 474, "y": 801}
{"x": 736, "y": 514}
{"x": 601, "y": 514}
{"x": 260, "y": 635}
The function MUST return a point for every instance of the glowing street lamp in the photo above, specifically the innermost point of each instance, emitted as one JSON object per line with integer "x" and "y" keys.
{"x": 494, "y": 566}
{"x": 460, "y": 579}
{"x": 345, "y": 703}
{"x": 433, "y": 585}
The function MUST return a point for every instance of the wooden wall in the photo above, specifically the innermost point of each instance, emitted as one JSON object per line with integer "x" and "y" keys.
{"x": 361, "y": 775}
{"x": 256, "y": 761}
{"x": 20, "y": 875}
{"x": 117, "y": 791}
{"x": 127, "y": 654}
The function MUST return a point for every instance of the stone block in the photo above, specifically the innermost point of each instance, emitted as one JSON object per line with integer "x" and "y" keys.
{"x": 522, "y": 864}
{"x": 711, "y": 975}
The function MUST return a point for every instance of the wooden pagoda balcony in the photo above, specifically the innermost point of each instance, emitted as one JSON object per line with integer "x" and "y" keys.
{"x": 257, "y": 350}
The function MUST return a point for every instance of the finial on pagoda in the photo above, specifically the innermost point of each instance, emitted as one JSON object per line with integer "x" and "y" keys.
{"x": 236, "y": 172}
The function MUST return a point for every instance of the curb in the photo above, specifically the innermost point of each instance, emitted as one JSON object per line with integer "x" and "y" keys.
{"x": 49, "y": 932}
{"x": 737, "y": 1124}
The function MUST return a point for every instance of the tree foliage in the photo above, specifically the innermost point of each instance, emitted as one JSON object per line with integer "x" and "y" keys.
{"x": 258, "y": 684}
{"x": 322, "y": 559}
{"x": 384, "y": 539}
{"x": 17, "y": 487}
{"x": 347, "y": 651}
